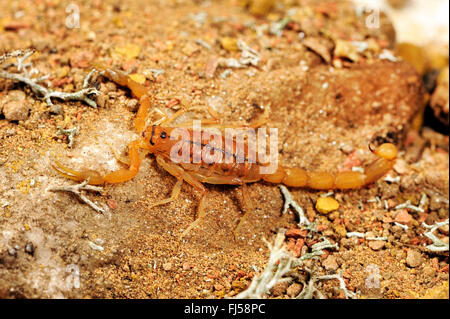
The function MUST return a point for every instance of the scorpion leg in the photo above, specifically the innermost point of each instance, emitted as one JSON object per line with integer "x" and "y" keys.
{"x": 175, "y": 193}
{"x": 248, "y": 206}
{"x": 181, "y": 174}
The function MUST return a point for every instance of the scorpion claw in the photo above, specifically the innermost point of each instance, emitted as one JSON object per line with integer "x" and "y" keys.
{"x": 94, "y": 177}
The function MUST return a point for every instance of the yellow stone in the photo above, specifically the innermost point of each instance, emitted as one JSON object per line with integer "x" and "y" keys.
{"x": 118, "y": 22}
{"x": 340, "y": 229}
{"x": 130, "y": 51}
{"x": 139, "y": 78}
{"x": 326, "y": 205}
{"x": 229, "y": 44}
{"x": 437, "y": 292}
{"x": 62, "y": 72}
{"x": 414, "y": 54}
{"x": 261, "y": 7}
{"x": 346, "y": 49}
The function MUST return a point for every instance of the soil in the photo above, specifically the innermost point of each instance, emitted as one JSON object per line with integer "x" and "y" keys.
{"x": 326, "y": 111}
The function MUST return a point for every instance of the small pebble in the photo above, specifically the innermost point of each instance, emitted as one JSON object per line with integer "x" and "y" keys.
{"x": 294, "y": 289}
{"x": 340, "y": 229}
{"x": 29, "y": 248}
{"x": 16, "y": 95}
{"x": 413, "y": 258}
{"x": 429, "y": 271}
{"x": 12, "y": 252}
{"x": 330, "y": 263}
{"x": 102, "y": 100}
{"x": 403, "y": 217}
{"x": 112, "y": 203}
{"x": 376, "y": 244}
{"x": 229, "y": 44}
{"x": 132, "y": 105}
{"x": 57, "y": 109}
{"x": 401, "y": 167}
{"x": 16, "y": 110}
{"x": 279, "y": 288}
{"x": 167, "y": 266}
{"x": 325, "y": 205}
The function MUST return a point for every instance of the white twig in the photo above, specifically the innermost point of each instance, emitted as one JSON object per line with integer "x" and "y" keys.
{"x": 70, "y": 133}
{"x": 281, "y": 262}
{"x": 288, "y": 201}
{"x": 76, "y": 189}
{"x": 14, "y": 54}
{"x": 273, "y": 272}
{"x": 47, "y": 94}
{"x": 308, "y": 291}
{"x": 316, "y": 250}
{"x": 408, "y": 205}
{"x": 438, "y": 245}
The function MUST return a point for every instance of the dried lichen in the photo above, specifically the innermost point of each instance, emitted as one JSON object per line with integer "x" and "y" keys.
{"x": 25, "y": 73}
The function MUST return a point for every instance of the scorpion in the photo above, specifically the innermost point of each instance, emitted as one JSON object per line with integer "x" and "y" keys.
{"x": 155, "y": 139}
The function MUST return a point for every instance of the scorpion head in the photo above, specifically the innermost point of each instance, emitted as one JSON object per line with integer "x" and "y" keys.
{"x": 155, "y": 136}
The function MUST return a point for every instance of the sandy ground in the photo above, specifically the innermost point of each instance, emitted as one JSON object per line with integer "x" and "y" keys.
{"x": 54, "y": 246}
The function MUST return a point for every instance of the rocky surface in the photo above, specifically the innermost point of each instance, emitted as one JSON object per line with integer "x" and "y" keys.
{"x": 327, "y": 108}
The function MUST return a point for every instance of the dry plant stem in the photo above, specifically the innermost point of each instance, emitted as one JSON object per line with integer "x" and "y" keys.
{"x": 310, "y": 289}
{"x": 273, "y": 272}
{"x": 438, "y": 245}
{"x": 17, "y": 53}
{"x": 288, "y": 201}
{"x": 76, "y": 189}
{"x": 26, "y": 77}
{"x": 281, "y": 262}
{"x": 317, "y": 250}
{"x": 81, "y": 95}
{"x": 70, "y": 133}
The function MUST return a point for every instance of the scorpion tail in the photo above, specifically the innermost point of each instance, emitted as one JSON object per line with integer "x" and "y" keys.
{"x": 297, "y": 177}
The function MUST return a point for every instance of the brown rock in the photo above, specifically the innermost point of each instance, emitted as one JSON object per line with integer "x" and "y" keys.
{"x": 296, "y": 233}
{"x": 298, "y": 247}
{"x": 16, "y": 95}
{"x": 167, "y": 266}
{"x": 16, "y": 110}
{"x": 413, "y": 258}
{"x": 376, "y": 244}
{"x": 330, "y": 263}
{"x": 294, "y": 289}
{"x": 403, "y": 217}
{"x": 321, "y": 46}
{"x": 279, "y": 288}
{"x": 444, "y": 229}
